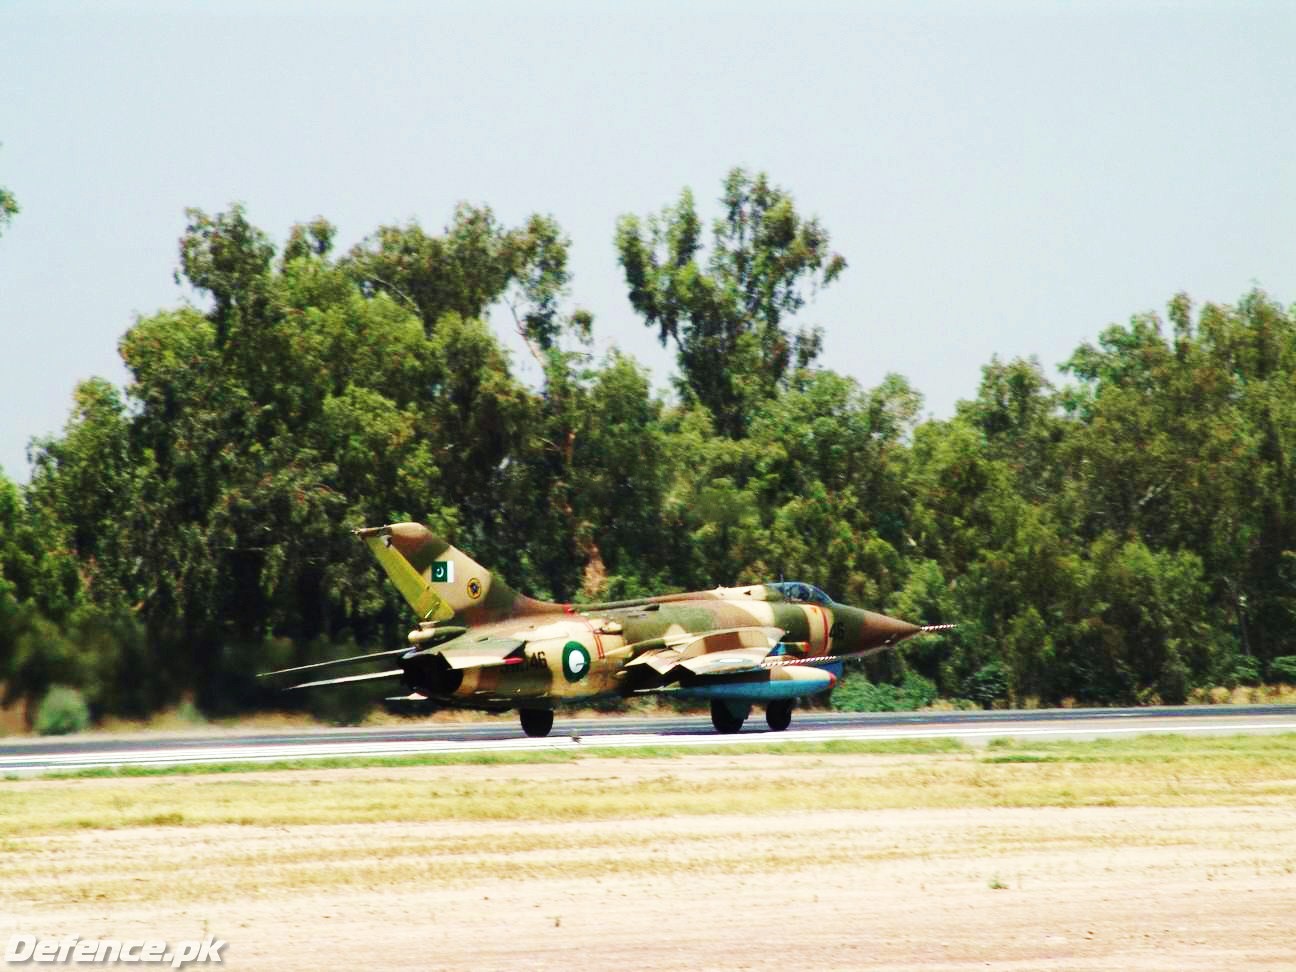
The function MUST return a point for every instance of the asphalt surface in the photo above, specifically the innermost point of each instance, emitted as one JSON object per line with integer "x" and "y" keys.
{"x": 25, "y": 756}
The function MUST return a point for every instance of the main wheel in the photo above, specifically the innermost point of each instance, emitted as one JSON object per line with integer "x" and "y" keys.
{"x": 726, "y": 717}
{"x": 536, "y": 722}
{"x": 779, "y": 715}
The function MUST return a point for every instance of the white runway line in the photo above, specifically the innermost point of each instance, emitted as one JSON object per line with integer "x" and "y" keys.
{"x": 326, "y": 750}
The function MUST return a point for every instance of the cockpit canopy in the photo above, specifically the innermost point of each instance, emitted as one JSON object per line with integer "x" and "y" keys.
{"x": 802, "y": 592}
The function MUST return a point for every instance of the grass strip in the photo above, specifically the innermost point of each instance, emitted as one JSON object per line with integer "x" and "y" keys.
{"x": 234, "y": 835}
{"x": 897, "y": 747}
{"x": 1151, "y": 771}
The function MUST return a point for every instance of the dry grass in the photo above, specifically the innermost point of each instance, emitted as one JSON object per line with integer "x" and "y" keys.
{"x": 12, "y": 721}
{"x": 81, "y": 840}
{"x": 1280, "y": 694}
{"x": 271, "y": 862}
{"x": 1149, "y": 853}
{"x": 1148, "y": 771}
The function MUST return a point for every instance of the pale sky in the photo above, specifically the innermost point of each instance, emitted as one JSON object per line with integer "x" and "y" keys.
{"x": 1003, "y": 178}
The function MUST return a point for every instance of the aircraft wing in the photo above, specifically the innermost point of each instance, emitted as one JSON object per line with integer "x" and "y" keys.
{"x": 725, "y": 639}
{"x": 724, "y": 662}
{"x": 711, "y": 652}
{"x": 464, "y": 652}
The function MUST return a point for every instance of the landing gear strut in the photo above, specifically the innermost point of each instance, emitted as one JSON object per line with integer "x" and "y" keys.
{"x": 728, "y": 717}
{"x": 536, "y": 722}
{"x": 779, "y": 714}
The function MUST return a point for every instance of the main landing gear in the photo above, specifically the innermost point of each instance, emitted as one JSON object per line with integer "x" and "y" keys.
{"x": 728, "y": 717}
{"x": 779, "y": 715}
{"x": 536, "y": 722}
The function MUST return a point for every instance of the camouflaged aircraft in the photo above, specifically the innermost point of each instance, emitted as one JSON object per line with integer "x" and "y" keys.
{"x": 481, "y": 645}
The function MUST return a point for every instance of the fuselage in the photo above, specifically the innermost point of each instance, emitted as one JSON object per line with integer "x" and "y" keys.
{"x": 575, "y": 652}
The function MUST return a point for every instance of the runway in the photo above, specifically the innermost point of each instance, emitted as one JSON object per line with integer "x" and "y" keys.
{"x": 34, "y": 756}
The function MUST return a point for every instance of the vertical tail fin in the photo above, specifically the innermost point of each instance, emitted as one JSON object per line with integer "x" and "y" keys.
{"x": 440, "y": 581}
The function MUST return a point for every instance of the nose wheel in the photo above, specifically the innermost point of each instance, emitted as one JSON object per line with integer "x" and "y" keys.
{"x": 778, "y": 715}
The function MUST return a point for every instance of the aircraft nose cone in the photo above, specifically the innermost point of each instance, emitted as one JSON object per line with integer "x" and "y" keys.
{"x": 878, "y": 630}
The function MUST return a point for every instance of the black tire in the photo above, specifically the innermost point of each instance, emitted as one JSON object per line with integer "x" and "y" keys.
{"x": 778, "y": 715}
{"x": 536, "y": 722}
{"x": 724, "y": 718}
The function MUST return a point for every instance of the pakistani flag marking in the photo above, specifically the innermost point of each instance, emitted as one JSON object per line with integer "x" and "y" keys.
{"x": 443, "y": 572}
{"x": 576, "y": 661}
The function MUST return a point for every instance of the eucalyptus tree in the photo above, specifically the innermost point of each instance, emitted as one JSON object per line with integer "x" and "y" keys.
{"x": 727, "y": 310}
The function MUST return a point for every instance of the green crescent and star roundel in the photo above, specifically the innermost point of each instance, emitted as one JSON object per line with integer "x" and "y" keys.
{"x": 576, "y": 661}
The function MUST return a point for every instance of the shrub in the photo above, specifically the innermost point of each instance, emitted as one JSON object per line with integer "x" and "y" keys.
{"x": 609, "y": 704}
{"x": 1175, "y": 682}
{"x": 342, "y": 705}
{"x": 917, "y": 692}
{"x": 987, "y": 684}
{"x": 855, "y": 693}
{"x": 62, "y": 711}
{"x": 1246, "y": 671}
{"x": 1283, "y": 668}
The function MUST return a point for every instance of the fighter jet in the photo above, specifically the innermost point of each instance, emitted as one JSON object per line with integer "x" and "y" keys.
{"x": 481, "y": 645}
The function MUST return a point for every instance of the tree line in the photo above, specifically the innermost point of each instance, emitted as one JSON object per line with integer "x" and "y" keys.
{"x": 1124, "y": 537}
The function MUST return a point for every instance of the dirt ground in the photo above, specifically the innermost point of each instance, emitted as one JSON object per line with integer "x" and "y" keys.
{"x": 1093, "y": 887}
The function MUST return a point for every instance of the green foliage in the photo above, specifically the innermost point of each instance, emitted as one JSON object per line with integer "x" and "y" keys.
{"x": 1174, "y": 681}
{"x": 726, "y": 318}
{"x": 1283, "y": 668}
{"x": 472, "y": 265}
{"x": 8, "y": 208}
{"x": 855, "y": 693}
{"x": 62, "y": 711}
{"x": 1127, "y": 536}
{"x": 1246, "y": 671}
{"x": 346, "y": 704}
{"x": 987, "y": 685}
